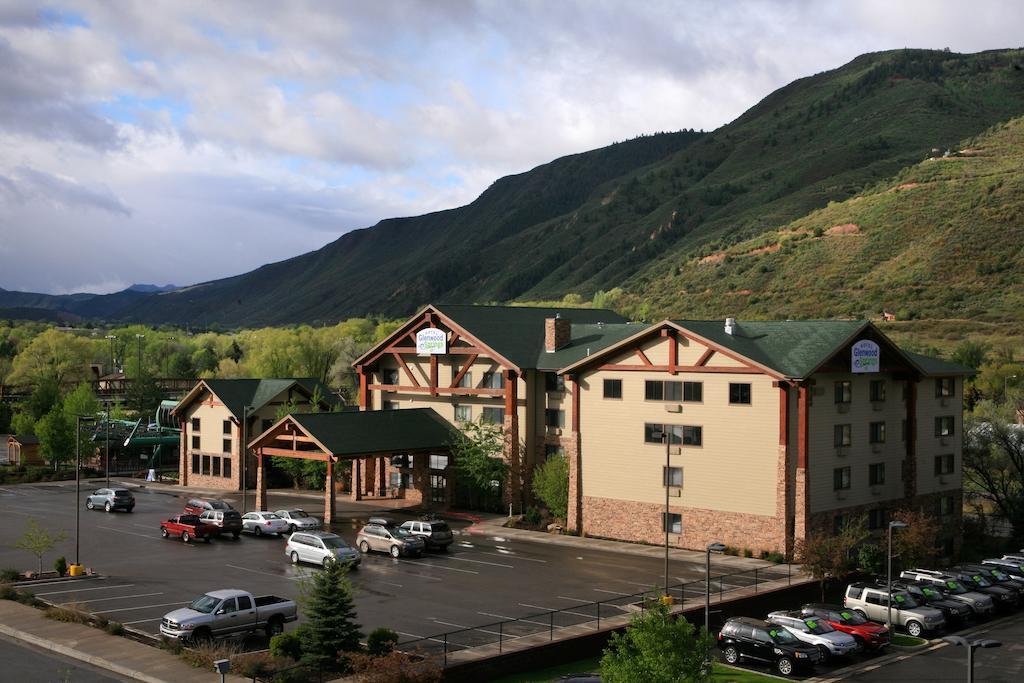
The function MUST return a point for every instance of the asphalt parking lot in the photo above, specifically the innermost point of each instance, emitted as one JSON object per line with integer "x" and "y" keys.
{"x": 479, "y": 581}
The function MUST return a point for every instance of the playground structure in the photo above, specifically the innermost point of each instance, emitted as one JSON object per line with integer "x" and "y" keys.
{"x": 134, "y": 446}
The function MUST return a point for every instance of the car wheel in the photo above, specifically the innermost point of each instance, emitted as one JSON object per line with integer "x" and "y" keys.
{"x": 327, "y": 561}
{"x": 862, "y": 613}
{"x": 258, "y": 531}
{"x": 395, "y": 551}
{"x": 295, "y": 557}
{"x": 825, "y": 654}
{"x": 236, "y": 534}
{"x": 163, "y": 532}
{"x": 275, "y": 627}
{"x": 784, "y": 666}
{"x": 732, "y": 655}
{"x": 364, "y": 546}
{"x": 131, "y": 508}
{"x": 107, "y": 507}
{"x": 185, "y": 536}
{"x": 444, "y": 548}
{"x": 291, "y": 528}
{"x": 89, "y": 505}
{"x": 202, "y": 636}
{"x": 914, "y": 628}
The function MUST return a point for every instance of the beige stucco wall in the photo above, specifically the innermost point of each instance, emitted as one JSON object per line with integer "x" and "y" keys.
{"x": 823, "y": 457}
{"x": 735, "y": 468}
{"x": 928, "y": 445}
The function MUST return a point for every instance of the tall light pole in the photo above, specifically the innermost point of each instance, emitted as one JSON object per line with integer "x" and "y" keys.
{"x": 244, "y": 450}
{"x": 138, "y": 373}
{"x": 715, "y": 547}
{"x": 78, "y": 477}
{"x": 106, "y": 466}
{"x": 666, "y": 435}
{"x": 894, "y": 524}
{"x": 971, "y": 646}
{"x": 111, "y": 338}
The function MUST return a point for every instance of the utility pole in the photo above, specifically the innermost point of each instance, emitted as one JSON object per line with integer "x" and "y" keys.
{"x": 78, "y": 479}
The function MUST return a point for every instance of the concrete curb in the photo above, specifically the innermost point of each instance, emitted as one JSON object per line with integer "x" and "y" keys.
{"x": 79, "y": 655}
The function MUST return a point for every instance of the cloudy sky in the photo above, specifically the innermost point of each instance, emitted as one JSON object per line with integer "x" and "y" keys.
{"x": 175, "y": 142}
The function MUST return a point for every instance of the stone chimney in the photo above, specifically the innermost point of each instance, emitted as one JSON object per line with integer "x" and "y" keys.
{"x": 557, "y": 332}
{"x": 730, "y": 325}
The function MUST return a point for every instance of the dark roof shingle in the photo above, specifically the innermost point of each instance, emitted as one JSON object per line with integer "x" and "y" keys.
{"x": 378, "y": 431}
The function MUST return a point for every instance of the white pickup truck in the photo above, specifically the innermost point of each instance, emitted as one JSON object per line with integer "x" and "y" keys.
{"x": 229, "y": 612}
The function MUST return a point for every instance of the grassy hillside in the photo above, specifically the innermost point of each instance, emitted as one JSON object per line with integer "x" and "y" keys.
{"x": 942, "y": 239}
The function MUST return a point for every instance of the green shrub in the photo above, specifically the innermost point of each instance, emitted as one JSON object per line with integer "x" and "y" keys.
{"x": 287, "y": 645}
{"x": 67, "y": 613}
{"x": 747, "y": 552}
{"x": 172, "y": 645}
{"x": 60, "y": 565}
{"x": 777, "y": 558}
{"x": 551, "y": 485}
{"x": 8, "y": 592}
{"x": 9, "y": 575}
{"x": 381, "y": 641}
{"x": 100, "y": 621}
{"x": 533, "y": 517}
{"x": 115, "y": 628}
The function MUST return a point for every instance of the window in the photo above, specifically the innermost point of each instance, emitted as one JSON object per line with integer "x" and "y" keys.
{"x": 944, "y": 506}
{"x": 228, "y": 605}
{"x": 226, "y": 446}
{"x": 680, "y": 434}
{"x": 672, "y": 476}
{"x": 467, "y": 381}
{"x": 693, "y": 391}
{"x": 195, "y": 441}
{"x": 739, "y": 394}
{"x": 877, "y": 432}
{"x": 494, "y": 380}
{"x": 554, "y": 382}
{"x": 389, "y": 405}
{"x": 399, "y": 480}
{"x": 195, "y": 463}
{"x": 842, "y": 435}
{"x": 657, "y": 390}
{"x": 244, "y": 603}
{"x": 692, "y": 436}
{"x": 195, "y": 424}
{"x": 944, "y": 464}
{"x": 944, "y": 426}
{"x": 438, "y": 462}
{"x": 844, "y": 392}
{"x": 554, "y": 418}
{"x": 206, "y": 464}
{"x": 840, "y": 478}
{"x": 389, "y": 376}
{"x": 877, "y": 390}
{"x": 495, "y": 416}
{"x": 878, "y": 519}
{"x": 553, "y": 451}
{"x": 438, "y": 488}
{"x": 216, "y": 466}
{"x": 876, "y": 474}
{"x": 672, "y": 523}
{"x": 226, "y": 468}
{"x": 945, "y": 387}
{"x": 463, "y": 413}
{"x": 227, "y": 427}
{"x": 613, "y": 388}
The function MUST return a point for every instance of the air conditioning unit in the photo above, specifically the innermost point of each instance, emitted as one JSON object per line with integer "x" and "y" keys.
{"x": 556, "y": 431}
{"x": 675, "y": 450}
{"x": 843, "y": 407}
{"x": 673, "y": 408}
{"x": 675, "y": 491}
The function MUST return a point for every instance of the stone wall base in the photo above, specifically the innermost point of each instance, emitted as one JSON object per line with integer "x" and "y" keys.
{"x": 641, "y": 523}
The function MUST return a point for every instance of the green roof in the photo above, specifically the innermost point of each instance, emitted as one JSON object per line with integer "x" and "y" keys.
{"x": 586, "y": 341}
{"x": 256, "y": 393}
{"x": 937, "y": 366}
{"x": 378, "y": 431}
{"x": 517, "y": 332}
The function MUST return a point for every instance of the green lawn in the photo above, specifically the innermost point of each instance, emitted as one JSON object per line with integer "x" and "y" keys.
{"x": 723, "y": 674}
{"x": 907, "y": 641}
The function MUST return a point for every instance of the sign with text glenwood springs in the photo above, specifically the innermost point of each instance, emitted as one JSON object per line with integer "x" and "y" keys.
{"x": 865, "y": 356}
{"x": 431, "y": 342}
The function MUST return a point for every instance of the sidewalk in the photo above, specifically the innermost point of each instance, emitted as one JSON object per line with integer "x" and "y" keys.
{"x": 85, "y": 643}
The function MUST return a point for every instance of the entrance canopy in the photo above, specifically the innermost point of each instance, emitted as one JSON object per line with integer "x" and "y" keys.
{"x": 355, "y": 435}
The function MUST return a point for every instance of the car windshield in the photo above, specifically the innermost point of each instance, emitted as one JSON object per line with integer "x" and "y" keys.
{"x": 817, "y": 627}
{"x": 980, "y": 580}
{"x": 205, "y": 604}
{"x": 904, "y": 600}
{"x": 851, "y": 618}
{"x": 121, "y": 492}
{"x": 399, "y": 532}
{"x": 297, "y": 514}
{"x": 270, "y": 515}
{"x": 219, "y": 505}
{"x": 334, "y": 542}
{"x": 781, "y": 635}
{"x": 955, "y": 588}
{"x": 438, "y": 526}
{"x": 999, "y": 575}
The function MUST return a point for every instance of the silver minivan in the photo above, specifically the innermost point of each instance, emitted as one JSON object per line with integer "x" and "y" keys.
{"x": 321, "y": 547}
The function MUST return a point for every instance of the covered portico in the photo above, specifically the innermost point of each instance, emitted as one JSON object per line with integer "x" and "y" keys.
{"x": 369, "y": 439}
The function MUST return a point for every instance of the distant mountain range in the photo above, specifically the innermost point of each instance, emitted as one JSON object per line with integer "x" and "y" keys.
{"x": 695, "y": 223}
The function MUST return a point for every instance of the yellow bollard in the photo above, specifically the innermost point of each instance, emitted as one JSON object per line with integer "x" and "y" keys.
{"x": 667, "y": 600}
{"x": 76, "y": 570}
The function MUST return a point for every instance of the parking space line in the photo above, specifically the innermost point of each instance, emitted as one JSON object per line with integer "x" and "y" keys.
{"x": 601, "y": 590}
{"x": 502, "y": 552}
{"x": 119, "y": 597}
{"x": 502, "y": 616}
{"x": 650, "y": 585}
{"x": 438, "y": 566}
{"x": 257, "y": 571}
{"x": 132, "y": 609}
{"x": 565, "y": 597}
{"x": 474, "y": 628}
{"x": 140, "y": 621}
{"x": 493, "y": 564}
{"x": 413, "y": 635}
{"x": 82, "y": 590}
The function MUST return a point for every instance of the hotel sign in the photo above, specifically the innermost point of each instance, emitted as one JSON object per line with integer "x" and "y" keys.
{"x": 431, "y": 342}
{"x": 865, "y": 356}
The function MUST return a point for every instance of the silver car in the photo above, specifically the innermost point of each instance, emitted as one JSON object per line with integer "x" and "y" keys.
{"x": 321, "y": 547}
{"x": 111, "y": 499}
{"x": 261, "y": 523}
{"x": 298, "y": 520}
{"x": 817, "y": 632}
{"x": 389, "y": 539}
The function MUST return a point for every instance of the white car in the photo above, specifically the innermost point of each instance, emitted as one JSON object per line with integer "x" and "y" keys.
{"x": 261, "y": 523}
{"x": 298, "y": 520}
{"x": 321, "y": 547}
{"x": 813, "y": 631}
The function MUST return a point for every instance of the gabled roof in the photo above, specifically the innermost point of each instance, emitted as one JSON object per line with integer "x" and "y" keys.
{"x": 26, "y": 439}
{"x": 235, "y": 394}
{"x": 588, "y": 340}
{"x": 937, "y": 366}
{"x": 377, "y": 431}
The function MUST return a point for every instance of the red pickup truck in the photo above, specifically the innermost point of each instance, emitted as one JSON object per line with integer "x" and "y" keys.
{"x": 188, "y": 527}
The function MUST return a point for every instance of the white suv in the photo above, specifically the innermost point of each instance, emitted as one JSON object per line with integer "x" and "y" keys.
{"x": 321, "y": 547}
{"x": 817, "y": 632}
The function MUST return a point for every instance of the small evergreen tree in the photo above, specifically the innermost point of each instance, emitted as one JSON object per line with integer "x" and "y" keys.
{"x": 331, "y": 625}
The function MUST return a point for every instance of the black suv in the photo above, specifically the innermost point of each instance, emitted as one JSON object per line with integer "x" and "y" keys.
{"x": 954, "y": 611}
{"x": 747, "y": 638}
{"x": 1005, "y": 597}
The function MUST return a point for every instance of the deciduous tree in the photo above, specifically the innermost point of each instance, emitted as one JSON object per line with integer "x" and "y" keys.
{"x": 994, "y": 462}
{"x": 832, "y": 556}
{"x": 53, "y": 356}
{"x": 38, "y": 541}
{"x": 656, "y": 648}
{"x": 551, "y": 485}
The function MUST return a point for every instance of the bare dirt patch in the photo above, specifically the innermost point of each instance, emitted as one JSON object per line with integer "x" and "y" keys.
{"x": 713, "y": 258}
{"x": 770, "y": 249}
{"x": 844, "y": 229}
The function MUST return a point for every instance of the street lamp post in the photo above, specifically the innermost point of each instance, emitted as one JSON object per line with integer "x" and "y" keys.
{"x": 138, "y": 373}
{"x": 666, "y": 436}
{"x": 895, "y": 524}
{"x": 106, "y": 465}
{"x": 78, "y": 478}
{"x": 244, "y": 450}
{"x": 712, "y": 548}
{"x": 111, "y": 338}
{"x": 971, "y": 646}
